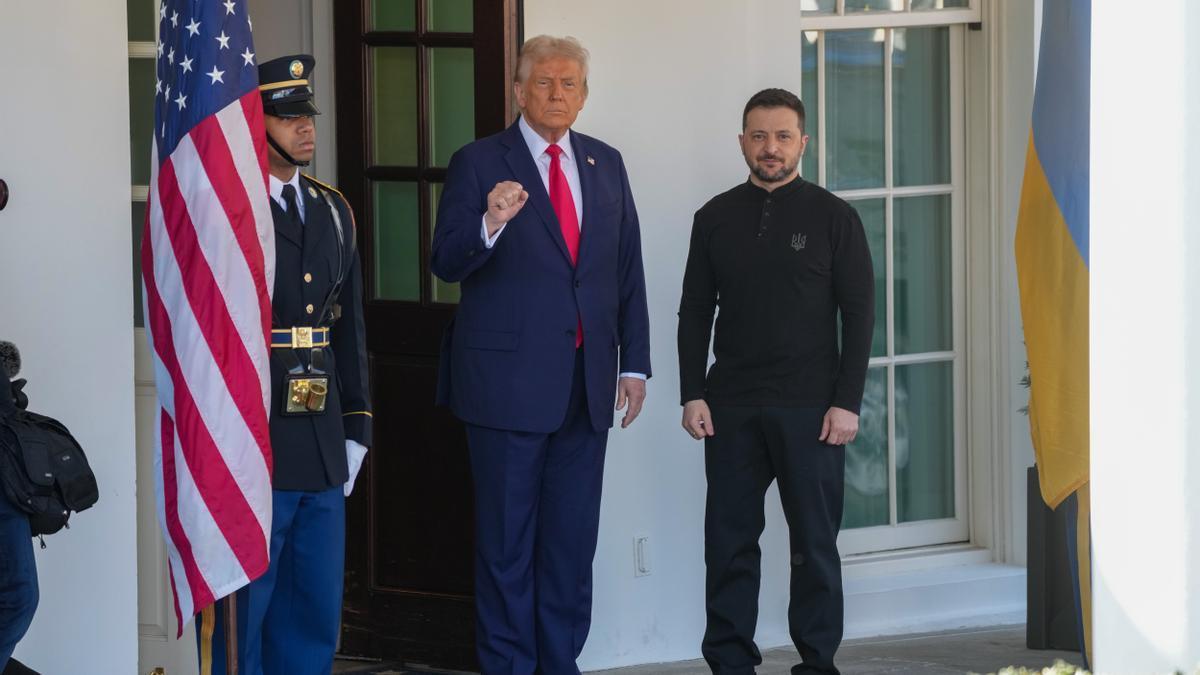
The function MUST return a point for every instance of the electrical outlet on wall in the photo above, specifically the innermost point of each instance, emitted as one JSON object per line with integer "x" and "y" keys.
{"x": 641, "y": 555}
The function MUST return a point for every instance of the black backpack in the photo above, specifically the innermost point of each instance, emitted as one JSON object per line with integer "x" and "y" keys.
{"x": 42, "y": 468}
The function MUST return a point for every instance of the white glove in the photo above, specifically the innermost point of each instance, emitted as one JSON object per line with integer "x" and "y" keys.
{"x": 355, "y": 452}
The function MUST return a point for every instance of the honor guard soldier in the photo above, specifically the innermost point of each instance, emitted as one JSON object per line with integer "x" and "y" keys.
{"x": 287, "y": 621}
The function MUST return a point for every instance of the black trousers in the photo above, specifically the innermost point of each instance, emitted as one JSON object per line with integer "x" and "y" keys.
{"x": 752, "y": 447}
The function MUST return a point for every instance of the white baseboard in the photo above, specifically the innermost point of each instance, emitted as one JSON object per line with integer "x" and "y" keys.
{"x": 925, "y": 591}
{"x": 898, "y": 593}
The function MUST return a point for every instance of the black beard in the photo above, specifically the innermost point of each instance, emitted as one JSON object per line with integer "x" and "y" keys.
{"x": 784, "y": 171}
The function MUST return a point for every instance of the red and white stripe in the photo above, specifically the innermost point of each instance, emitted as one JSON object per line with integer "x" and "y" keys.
{"x": 208, "y": 255}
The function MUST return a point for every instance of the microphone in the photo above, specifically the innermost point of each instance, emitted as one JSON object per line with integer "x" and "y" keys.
{"x": 10, "y": 359}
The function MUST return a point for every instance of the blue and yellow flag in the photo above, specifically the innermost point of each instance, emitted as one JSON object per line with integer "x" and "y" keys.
{"x": 1052, "y": 269}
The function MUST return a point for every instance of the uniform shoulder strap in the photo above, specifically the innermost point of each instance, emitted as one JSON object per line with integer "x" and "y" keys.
{"x": 328, "y": 189}
{"x": 327, "y": 186}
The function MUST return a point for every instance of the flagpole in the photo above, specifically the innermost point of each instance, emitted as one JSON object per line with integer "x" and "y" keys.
{"x": 231, "y": 652}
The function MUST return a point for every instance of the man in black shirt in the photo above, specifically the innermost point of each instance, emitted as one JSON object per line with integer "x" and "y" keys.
{"x": 782, "y": 258}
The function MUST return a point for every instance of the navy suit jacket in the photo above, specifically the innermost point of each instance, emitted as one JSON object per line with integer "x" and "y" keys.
{"x": 508, "y": 357}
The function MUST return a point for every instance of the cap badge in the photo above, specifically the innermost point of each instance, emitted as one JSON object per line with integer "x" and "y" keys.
{"x": 296, "y": 68}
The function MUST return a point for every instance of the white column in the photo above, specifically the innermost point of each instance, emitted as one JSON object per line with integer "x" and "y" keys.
{"x": 66, "y": 299}
{"x": 1145, "y": 336}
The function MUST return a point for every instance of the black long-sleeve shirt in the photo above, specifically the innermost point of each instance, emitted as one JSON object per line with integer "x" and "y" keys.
{"x": 780, "y": 265}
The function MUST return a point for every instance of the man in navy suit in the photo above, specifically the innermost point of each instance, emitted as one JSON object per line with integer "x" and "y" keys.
{"x": 538, "y": 225}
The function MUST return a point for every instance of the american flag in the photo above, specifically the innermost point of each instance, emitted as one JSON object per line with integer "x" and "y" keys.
{"x": 208, "y": 253}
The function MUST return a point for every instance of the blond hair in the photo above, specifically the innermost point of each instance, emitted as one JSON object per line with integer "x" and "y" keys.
{"x": 542, "y": 47}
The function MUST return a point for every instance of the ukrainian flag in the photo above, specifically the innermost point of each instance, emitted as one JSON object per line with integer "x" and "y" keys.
{"x": 1052, "y": 269}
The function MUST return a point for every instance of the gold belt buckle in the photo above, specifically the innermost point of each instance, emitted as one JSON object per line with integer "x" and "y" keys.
{"x": 302, "y": 337}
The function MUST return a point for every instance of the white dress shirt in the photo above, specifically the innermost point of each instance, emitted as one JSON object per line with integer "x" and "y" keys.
{"x": 537, "y": 148}
{"x": 276, "y": 187}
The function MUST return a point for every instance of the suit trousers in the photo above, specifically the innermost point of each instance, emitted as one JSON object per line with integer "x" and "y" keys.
{"x": 287, "y": 619}
{"x": 752, "y": 447}
{"x": 18, "y": 578}
{"x": 537, "y": 512}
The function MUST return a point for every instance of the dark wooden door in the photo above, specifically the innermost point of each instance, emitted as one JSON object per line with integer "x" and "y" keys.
{"x": 416, "y": 80}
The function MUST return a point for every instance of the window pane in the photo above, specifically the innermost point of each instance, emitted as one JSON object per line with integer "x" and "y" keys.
{"x": 921, "y": 105}
{"x": 818, "y": 6}
{"x": 872, "y": 213}
{"x": 938, "y": 4}
{"x": 854, "y": 64}
{"x": 808, "y": 94}
{"x": 138, "y": 220}
{"x": 397, "y": 242}
{"x": 393, "y": 15}
{"x": 442, "y": 291}
{"x": 866, "y": 501}
{"x": 450, "y": 16}
{"x": 141, "y": 117}
{"x": 139, "y": 20}
{"x": 925, "y": 441}
{"x": 452, "y": 101}
{"x": 923, "y": 276}
{"x": 874, "y": 6}
{"x": 394, "y": 110}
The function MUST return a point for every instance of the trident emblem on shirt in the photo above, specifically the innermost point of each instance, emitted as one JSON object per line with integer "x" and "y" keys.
{"x": 798, "y": 241}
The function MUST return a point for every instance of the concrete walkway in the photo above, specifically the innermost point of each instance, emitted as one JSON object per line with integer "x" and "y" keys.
{"x": 985, "y": 650}
{"x": 967, "y": 651}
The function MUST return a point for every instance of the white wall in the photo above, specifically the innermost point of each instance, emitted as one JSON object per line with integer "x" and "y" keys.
{"x": 1145, "y": 328}
{"x": 67, "y": 301}
{"x": 999, "y": 86}
{"x": 1018, "y": 31}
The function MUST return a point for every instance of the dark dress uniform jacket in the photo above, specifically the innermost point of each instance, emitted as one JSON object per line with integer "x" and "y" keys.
{"x": 310, "y": 450}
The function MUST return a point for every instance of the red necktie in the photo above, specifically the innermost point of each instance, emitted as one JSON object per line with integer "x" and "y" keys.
{"x": 568, "y": 219}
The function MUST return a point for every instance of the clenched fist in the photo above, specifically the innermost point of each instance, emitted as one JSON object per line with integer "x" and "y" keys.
{"x": 503, "y": 203}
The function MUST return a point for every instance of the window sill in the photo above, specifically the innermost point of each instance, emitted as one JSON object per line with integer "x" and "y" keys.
{"x": 933, "y": 589}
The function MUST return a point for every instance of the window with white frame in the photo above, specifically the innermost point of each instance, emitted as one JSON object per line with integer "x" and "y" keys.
{"x": 883, "y": 87}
